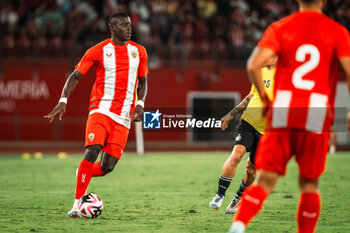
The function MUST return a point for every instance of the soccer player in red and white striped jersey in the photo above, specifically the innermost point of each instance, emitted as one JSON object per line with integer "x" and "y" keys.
{"x": 121, "y": 77}
{"x": 309, "y": 46}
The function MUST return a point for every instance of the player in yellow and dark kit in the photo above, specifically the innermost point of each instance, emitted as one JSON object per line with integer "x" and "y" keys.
{"x": 251, "y": 127}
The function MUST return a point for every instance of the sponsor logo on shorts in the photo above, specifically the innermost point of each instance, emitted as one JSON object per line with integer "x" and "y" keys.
{"x": 91, "y": 136}
{"x": 239, "y": 137}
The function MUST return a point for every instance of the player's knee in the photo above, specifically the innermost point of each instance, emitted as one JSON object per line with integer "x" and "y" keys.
{"x": 267, "y": 180}
{"x": 308, "y": 185}
{"x": 91, "y": 153}
{"x": 237, "y": 156}
{"x": 239, "y": 149}
{"x": 107, "y": 168}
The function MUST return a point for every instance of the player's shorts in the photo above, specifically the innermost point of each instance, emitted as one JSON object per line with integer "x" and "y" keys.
{"x": 248, "y": 137}
{"x": 102, "y": 130}
{"x": 310, "y": 149}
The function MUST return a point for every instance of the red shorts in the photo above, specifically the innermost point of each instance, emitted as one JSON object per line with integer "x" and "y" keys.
{"x": 310, "y": 150}
{"x": 102, "y": 130}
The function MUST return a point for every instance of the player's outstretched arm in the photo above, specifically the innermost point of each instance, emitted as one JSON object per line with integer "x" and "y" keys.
{"x": 137, "y": 114}
{"x": 345, "y": 63}
{"x": 236, "y": 110}
{"x": 68, "y": 88}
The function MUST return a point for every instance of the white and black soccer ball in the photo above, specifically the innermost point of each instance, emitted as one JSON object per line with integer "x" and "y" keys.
{"x": 90, "y": 206}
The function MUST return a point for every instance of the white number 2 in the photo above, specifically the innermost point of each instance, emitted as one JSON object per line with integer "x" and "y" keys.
{"x": 305, "y": 68}
{"x": 317, "y": 104}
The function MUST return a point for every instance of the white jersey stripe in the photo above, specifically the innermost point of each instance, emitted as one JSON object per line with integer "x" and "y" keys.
{"x": 280, "y": 109}
{"x": 110, "y": 73}
{"x": 134, "y": 59}
{"x": 317, "y": 112}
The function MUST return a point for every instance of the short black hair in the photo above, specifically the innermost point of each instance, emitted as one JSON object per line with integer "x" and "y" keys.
{"x": 117, "y": 15}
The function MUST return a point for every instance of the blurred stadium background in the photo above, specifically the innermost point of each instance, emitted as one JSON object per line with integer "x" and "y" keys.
{"x": 197, "y": 51}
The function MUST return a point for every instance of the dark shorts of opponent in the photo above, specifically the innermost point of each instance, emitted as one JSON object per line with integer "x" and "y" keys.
{"x": 248, "y": 137}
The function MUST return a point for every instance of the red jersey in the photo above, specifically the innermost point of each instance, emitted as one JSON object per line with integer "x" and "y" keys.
{"x": 117, "y": 70}
{"x": 309, "y": 45}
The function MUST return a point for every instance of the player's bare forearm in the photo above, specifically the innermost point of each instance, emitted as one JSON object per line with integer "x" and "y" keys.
{"x": 142, "y": 88}
{"x": 68, "y": 88}
{"x": 242, "y": 106}
{"x": 71, "y": 83}
{"x": 238, "y": 109}
{"x": 137, "y": 114}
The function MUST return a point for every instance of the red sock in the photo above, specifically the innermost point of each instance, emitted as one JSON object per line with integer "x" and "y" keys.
{"x": 96, "y": 170}
{"x": 252, "y": 200}
{"x": 83, "y": 178}
{"x": 308, "y": 212}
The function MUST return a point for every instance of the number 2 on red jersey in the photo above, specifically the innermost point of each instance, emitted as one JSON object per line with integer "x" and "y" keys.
{"x": 305, "y": 68}
{"x": 317, "y": 102}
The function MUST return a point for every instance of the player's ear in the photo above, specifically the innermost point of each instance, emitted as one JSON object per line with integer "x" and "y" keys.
{"x": 111, "y": 27}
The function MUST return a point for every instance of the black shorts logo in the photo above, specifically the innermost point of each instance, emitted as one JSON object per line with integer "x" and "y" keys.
{"x": 238, "y": 138}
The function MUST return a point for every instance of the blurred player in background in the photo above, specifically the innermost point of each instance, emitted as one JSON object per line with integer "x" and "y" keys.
{"x": 308, "y": 45}
{"x": 251, "y": 127}
{"x": 121, "y": 70}
{"x": 332, "y": 142}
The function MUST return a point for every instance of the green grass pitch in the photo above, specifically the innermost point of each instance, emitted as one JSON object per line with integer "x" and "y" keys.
{"x": 157, "y": 192}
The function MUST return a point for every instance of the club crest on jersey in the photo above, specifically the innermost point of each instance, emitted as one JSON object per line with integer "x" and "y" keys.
{"x": 133, "y": 54}
{"x": 238, "y": 138}
{"x": 91, "y": 136}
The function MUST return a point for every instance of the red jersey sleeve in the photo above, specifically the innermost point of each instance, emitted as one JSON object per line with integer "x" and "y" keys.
{"x": 87, "y": 61}
{"x": 269, "y": 39}
{"x": 343, "y": 43}
{"x": 143, "y": 69}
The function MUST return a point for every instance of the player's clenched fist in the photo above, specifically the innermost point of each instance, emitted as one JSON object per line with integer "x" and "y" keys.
{"x": 137, "y": 114}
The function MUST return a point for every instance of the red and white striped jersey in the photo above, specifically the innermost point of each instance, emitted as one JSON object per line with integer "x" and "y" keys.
{"x": 309, "y": 45}
{"x": 117, "y": 70}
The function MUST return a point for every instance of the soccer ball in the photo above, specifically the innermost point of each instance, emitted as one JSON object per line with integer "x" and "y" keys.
{"x": 90, "y": 206}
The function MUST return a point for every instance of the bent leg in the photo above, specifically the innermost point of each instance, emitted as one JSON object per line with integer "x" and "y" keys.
{"x": 227, "y": 174}
{"x": 311, "y": 162}
{"x": 309, "y": 205}
{"x": 108, "y": 162}
{"x": 250, "y": 173}
{"x": 273, "y": 154}
{"x": 96, "y": 169}
{"x": 105, "y": 165}
{"x": 229, "y": 169}
{"x": 248, "y": 178}
{"x": 85, "y": 169}
{"x": 255, "y": 196}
